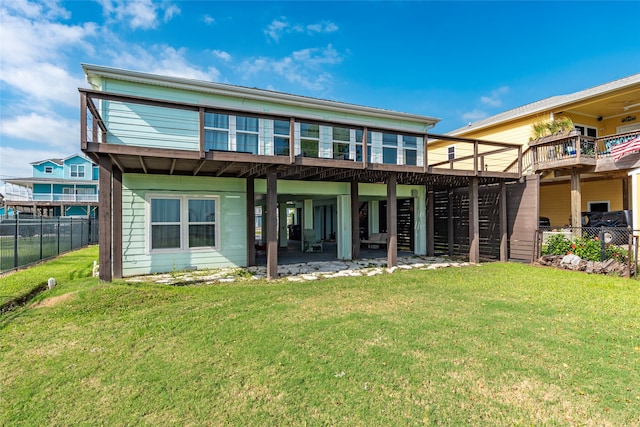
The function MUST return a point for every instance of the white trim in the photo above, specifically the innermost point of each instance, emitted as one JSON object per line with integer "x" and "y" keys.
{"x": 454, "y": 152}
{"x": 628, "y": 128}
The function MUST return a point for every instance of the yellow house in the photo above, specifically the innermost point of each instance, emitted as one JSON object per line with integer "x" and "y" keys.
{"x": 578, "y": 171}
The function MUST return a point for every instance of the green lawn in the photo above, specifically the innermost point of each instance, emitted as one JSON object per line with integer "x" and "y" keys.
{"x": 497, "y": 344}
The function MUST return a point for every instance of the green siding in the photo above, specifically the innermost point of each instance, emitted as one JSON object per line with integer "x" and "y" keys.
{"x": 232, "y": 219}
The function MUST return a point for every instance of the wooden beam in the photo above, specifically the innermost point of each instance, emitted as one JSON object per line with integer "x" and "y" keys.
{"x": 144, "y": 167}
{"x": 474, "y": 222}
{"x": 576, "y": 202}
{"x": 198, "y": 167}
{"x": 117, "y": 222}
{"x": 292, "y": 140}
{"x": 355, "y": 221}
{"x": 251, "y": 223}
{"x": 272, "y": 223}
{"x": 430, "y": 222}
{"x": 392, "y": 221}
{"x": 224, "y": 168}
{"x": 116, "y": 162}
{"x": 201, "y": 133}
{"x": 365, "y": 148}
{"x": 504, "y": 256}
{"x": 105, "y": 210}
{"x": 83, "y": 121}
{"x": 173, "y": 166}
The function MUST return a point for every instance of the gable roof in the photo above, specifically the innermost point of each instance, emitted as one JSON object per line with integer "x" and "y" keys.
{"x": 550, "y": 103}
{"x": 58, "y": 162}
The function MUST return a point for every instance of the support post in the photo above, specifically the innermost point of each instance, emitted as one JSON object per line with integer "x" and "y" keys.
{"x": 504, "y": 256}
{"x": 251, "y": 223}
{"x": 355, "y": 221}
{"x": 282, "y": 225}
{"x": 392, "y": 221}
{"x": 117, "y": 223}
{"x": 272, "y": 224}
{"x": 450, "y": 230}
{"x": 105, "y": 210}
{"x": 576, "y": 203}
{"x": 474, "y": 222}
{"x": 431, "y": 228}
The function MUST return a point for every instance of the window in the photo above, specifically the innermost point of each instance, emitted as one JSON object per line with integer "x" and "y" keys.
{"x": 341, "y": 140}
{"x": 359, "y": 146}
{"x": 451, "y": 153}
{"x": 182, "y": 223}
{"x": 587, "y": 130}
{"x": 598, "y": 206}
{"x": 247, "y": 134}
{"x": 77, "y": 171}
{"x": 410, "y": 148}
{"x": 216, "y": 132}
{"x": 309, "y": 139}
{"x": 281, "y": 138}
{"x": 389, "y": 148}
{"x": 48, "y": 169}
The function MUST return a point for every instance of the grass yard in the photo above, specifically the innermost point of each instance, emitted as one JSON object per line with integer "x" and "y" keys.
{"x": 497, "y": 344}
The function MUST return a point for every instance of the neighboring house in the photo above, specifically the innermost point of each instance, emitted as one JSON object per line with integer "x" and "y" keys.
{"x": 577, "y": 172}
{"x": 58, "y": 187}
{"x": 188, "y": 167}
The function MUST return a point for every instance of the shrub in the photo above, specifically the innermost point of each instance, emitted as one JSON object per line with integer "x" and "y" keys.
{"x": 589, "y": 249}
{"x": 556, "y": 245}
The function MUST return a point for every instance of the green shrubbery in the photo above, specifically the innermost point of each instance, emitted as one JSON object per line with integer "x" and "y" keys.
{"x": 589, "y": 249}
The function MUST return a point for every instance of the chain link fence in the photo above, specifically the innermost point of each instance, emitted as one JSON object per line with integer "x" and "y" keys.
{"x": 26, "y": 241}
{"x": 594, "y": 249}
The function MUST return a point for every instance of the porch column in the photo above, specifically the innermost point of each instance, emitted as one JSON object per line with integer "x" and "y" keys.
{"x": 355, "y": 221}
{"x": 392, "y": 221}
{"x": 117, "y": 223}
{"x": 431, "y": 221}
{"x": 374, "y": 216}
{"x": 251, "y": 223}
{"x": 105, "y": 212}
{"x": 474, "y": 222}
{"x": 272, "y": 224}
{"x": 503, "y": 222}
{"x": 307, "y": 219}
{"x": 576, "y": 202}
{"x": 345, "y": 226}
{"x": 420, "y": 221}
{"x": 625, "y": 193}
{"x": 282, "y": 216}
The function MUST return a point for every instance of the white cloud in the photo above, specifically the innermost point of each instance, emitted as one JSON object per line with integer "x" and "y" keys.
{"x": 281, "y": 26}
{"x": 48, "y": 129}
{"x": 303, "y": 67}
{"x": 472, "y": 116}
{"x": 139, "y": 14}
{"x": 494, "y": 100}
{"x": 15, "y": 162}
{"x": 208, "y": 19}
{"x": 225, "y": 56}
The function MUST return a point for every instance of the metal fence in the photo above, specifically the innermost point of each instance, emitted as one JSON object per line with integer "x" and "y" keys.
{"x": 612, "y": 247}
{"x": 26, "y": 241}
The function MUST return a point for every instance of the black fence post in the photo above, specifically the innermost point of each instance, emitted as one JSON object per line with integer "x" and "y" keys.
{"x": 15, "y": 244}
{"x": 603, "y": 250}
{"x": 58, "y": 239}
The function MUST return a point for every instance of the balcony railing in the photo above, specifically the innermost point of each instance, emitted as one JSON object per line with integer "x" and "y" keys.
{"x": 56, "y": 197}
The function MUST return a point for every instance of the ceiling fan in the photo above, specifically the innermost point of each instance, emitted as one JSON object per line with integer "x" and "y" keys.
{"x": 625, "y": 105}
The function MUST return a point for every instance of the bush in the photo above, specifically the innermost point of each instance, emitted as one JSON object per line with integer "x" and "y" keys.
{"x": 589, "y": 249}
{"x": 556, "y": 245}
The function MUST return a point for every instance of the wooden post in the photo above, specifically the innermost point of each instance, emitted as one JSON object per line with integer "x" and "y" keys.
{"x": 201, "y": 134}
{"x": 292, "y": 140}
{"x": 105, "y": 210}
{"x": 272, "y": 224}
{"x": 392, "y": 221}
{"x": 430, "y": 223}
{"x": 576, "y": 203}
{"x": 355, "y": 221}
{"x": 251, "y": 223}
{"x": 83, "y": 120}
{"x": 504, "y": 256}
{"x": 474, "y": 222}
{"x": 117, "y": 223}
{"x": 365, "y": 149}
{"x": 625, "y": 193}
{"x": 450, "y": 230}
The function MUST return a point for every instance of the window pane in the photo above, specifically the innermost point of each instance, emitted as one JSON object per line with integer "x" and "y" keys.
{"x": 247, "y": 143}
{"x": 202, "y": 235}
{"x": 341, "y": 134}
{"x": 359, "y": 153}
{"x": 359, "y": 135}
{"x": 165, "y": 210}
{"x": 280, "y": 127}
{"x": 389, "y": 139}
{"x": 216, "y": 140}
{"x": 309, "y": 148}
{"x": 389, "y": 156}
{"x": 202, "y": 210}
{"x": 249, "y": 124}
{"x": 165, "y": 236}
{"x": 409, "y": 141}
{"x": 410, "y": 157}
{"x": 281, "y": 146}
{"x": 341, "y": 151}
{"x": 212, "y": 120}
{"x": 309, "y": 131}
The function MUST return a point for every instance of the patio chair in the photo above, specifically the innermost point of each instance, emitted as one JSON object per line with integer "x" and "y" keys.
{"x": 311, "y": 242}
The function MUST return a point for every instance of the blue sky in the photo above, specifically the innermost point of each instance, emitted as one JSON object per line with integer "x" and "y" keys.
{"x": 458, "y": 61}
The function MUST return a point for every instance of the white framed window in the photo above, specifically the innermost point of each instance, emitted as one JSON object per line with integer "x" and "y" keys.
{"x": 309, "y": 139}
{"x": 410, "y": 150}
{"x": 77, "y": 171}
{"x": 587, "y": 130}
{"x": 48, "y": 169}
{"x": 247, "y": 134}
{"x": 182, "y": 223}
{"x": 451, "y": 153}
{"x": 216, "y": 132}
{"x": 281, "y": 134}
{"x": 390, "y": 148}
{"x": 341, "y": 142}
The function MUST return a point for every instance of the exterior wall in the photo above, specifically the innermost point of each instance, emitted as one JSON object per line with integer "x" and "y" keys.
{"x": 555, "y": 199}
{"x": 136, "y": 257}
{"x": 78, "y": 160}
{"x": 38, "y": 170}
